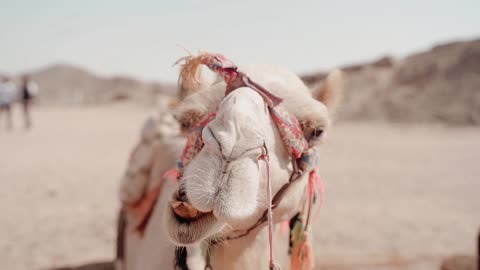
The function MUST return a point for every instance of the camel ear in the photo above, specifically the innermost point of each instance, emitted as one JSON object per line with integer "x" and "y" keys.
{"x": 330, "y": 92}
{"x": 316, "y": 115}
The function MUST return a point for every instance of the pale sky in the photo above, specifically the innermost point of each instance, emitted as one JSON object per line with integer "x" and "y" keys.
{"x": 139, "y": 38}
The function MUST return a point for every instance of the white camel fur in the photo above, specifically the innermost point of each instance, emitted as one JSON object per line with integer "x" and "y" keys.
{"x": 233, "y": 196}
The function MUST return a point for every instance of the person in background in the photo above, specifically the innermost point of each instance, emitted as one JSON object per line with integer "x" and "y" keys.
{"x": 29, "y": 90}
{"x": 8, "y": 95}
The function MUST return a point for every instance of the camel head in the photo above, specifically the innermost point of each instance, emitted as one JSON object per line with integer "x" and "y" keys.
{"x": 223, "y": 189}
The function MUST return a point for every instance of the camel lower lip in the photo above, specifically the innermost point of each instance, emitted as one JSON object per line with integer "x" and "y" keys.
{"x": 185, "y": 231}
{"x": 187, "y": 220}
{"x": 185, "y": 211}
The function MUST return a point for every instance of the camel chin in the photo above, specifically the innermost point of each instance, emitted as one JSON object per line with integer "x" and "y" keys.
{"x": 183, "y": 232}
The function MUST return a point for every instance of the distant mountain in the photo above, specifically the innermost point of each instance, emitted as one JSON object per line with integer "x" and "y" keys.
{"x": 64, "y": 84}
{"x": 439, "y": 85}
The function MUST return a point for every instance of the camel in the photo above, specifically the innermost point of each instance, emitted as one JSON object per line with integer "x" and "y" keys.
{"x": 221, "y": 192}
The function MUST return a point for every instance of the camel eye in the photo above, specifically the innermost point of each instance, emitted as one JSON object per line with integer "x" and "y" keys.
{"x": 185, "y": 125}
{"x": 316, "y": 133}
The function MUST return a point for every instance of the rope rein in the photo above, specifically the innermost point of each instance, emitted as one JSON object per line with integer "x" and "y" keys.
{"x": 265, "y": 157}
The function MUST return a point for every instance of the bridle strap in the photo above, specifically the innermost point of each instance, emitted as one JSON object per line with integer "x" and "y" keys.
{"x": 242, "y": 80}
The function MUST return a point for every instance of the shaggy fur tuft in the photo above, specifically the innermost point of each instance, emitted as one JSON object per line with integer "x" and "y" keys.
{"x": 189, "y": 80}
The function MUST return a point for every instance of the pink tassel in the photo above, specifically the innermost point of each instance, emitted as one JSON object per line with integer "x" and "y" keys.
{"x": 319, "y": 189}
{"x": 302, "y": 255}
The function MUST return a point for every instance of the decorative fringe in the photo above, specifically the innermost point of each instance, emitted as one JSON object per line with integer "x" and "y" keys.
{"x": 319, "y": 190}
{"x": 293, "y": 221}
{"x": 302, "y": 256}
{"x": 189, "y": 80}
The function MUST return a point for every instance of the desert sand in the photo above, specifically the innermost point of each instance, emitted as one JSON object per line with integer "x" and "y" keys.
{"x": 397, "y": 196}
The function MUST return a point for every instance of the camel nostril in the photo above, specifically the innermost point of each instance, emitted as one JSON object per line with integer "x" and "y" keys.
{"x": 183, "y": 209}
{"x": 181, "y": 195}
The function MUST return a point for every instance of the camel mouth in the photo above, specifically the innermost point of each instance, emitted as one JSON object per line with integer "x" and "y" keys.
{"x": 185, "y": 212}
{"x": 187, "y": 225}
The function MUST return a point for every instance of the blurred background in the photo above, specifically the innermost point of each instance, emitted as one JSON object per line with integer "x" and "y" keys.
{"x": 79, "y": 78}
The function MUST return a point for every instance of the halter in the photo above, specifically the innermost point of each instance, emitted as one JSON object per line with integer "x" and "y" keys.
{"x": 304, "y": 155}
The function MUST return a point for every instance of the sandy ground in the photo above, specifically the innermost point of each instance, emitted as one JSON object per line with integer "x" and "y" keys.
{"x": 398, "y": 197}
{"x": 403, "y": 196}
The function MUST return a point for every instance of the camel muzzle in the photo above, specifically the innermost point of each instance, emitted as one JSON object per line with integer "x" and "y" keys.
{"x": 183, "y": 208}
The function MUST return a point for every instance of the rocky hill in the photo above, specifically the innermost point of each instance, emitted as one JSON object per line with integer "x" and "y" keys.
{"x": 64, "y": 84}
{"x": 439, "y": 85}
